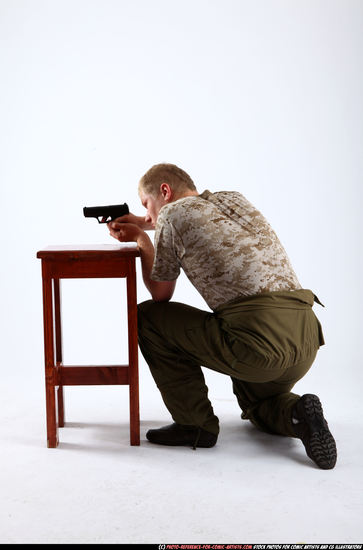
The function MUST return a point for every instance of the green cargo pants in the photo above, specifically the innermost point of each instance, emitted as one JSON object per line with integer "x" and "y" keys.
{"x": 265, "y": 343}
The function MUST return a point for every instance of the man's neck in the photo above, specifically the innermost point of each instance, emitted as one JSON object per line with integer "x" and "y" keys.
{"x": 185, "y": 194}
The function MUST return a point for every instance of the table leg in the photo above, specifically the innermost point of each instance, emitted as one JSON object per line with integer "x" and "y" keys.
{"x": 50, "y": 372}
{"x": 58, "y": 347}
{"x": 133, "y": 356}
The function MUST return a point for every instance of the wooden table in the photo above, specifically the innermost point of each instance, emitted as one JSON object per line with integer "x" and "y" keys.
{"x": 86, "y": 261}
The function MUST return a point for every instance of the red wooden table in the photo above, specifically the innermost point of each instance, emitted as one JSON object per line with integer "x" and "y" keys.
{"x": 86, "y": 261}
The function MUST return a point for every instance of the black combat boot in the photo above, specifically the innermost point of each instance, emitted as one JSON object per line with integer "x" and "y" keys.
{"x": 311, "y": 427}
{"x": 180, "y": 435}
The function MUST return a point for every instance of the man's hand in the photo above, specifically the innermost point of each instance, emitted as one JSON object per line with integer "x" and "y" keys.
{"x": 125, "y": 232}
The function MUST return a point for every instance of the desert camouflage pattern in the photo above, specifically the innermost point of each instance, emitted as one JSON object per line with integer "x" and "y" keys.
{"x": 225, "y": 246}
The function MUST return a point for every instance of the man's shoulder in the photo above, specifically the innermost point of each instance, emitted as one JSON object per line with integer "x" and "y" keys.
{"x": 199, "y": 203}
{"x": 209, "y": 195}
{"x": 200, "y": 210}
{"x": 183, "y": 207}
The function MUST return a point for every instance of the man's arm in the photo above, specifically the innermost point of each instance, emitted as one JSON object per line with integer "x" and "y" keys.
{"x": 140, "y": 221}
{"x": 161, "y": 291}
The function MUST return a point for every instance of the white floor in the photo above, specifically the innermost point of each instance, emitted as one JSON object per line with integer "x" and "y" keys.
{"x": 96, "y": 488}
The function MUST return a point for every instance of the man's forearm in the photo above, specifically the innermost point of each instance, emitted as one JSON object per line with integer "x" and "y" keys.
{"x": 147, "y": 258}
{"x": 159, "y": 290}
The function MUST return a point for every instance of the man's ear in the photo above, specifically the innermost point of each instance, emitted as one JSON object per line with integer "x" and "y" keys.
{"x": 166, "y": 192}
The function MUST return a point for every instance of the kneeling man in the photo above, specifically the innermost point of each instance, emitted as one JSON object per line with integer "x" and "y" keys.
{"x": 262, "y": 331}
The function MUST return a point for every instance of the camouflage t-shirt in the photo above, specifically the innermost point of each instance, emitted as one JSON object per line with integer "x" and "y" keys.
{"x": 225, "y": 246}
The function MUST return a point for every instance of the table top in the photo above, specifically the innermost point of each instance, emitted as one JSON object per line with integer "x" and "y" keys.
{"x": 89, "y": 251}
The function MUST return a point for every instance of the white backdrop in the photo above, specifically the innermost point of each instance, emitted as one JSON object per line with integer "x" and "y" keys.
{"x": 263, "y": 97}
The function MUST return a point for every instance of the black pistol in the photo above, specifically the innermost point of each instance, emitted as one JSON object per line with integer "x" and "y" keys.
{"x": 105, "y": 214}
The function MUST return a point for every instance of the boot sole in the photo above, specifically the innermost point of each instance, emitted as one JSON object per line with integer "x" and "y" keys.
{"x": 169, "y": 436}
{"x": 319, "y": 443}
{"x": 179, "y": 444}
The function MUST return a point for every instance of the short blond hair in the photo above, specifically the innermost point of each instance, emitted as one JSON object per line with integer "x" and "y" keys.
{"x": 178, "y": 180}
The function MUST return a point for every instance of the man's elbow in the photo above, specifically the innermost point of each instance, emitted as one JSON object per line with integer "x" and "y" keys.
{"x": 163, "y": 292}
{"x": 161, "y": 298}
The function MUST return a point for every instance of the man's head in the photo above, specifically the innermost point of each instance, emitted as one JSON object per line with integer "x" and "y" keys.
{"x": 162, "y": 184}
